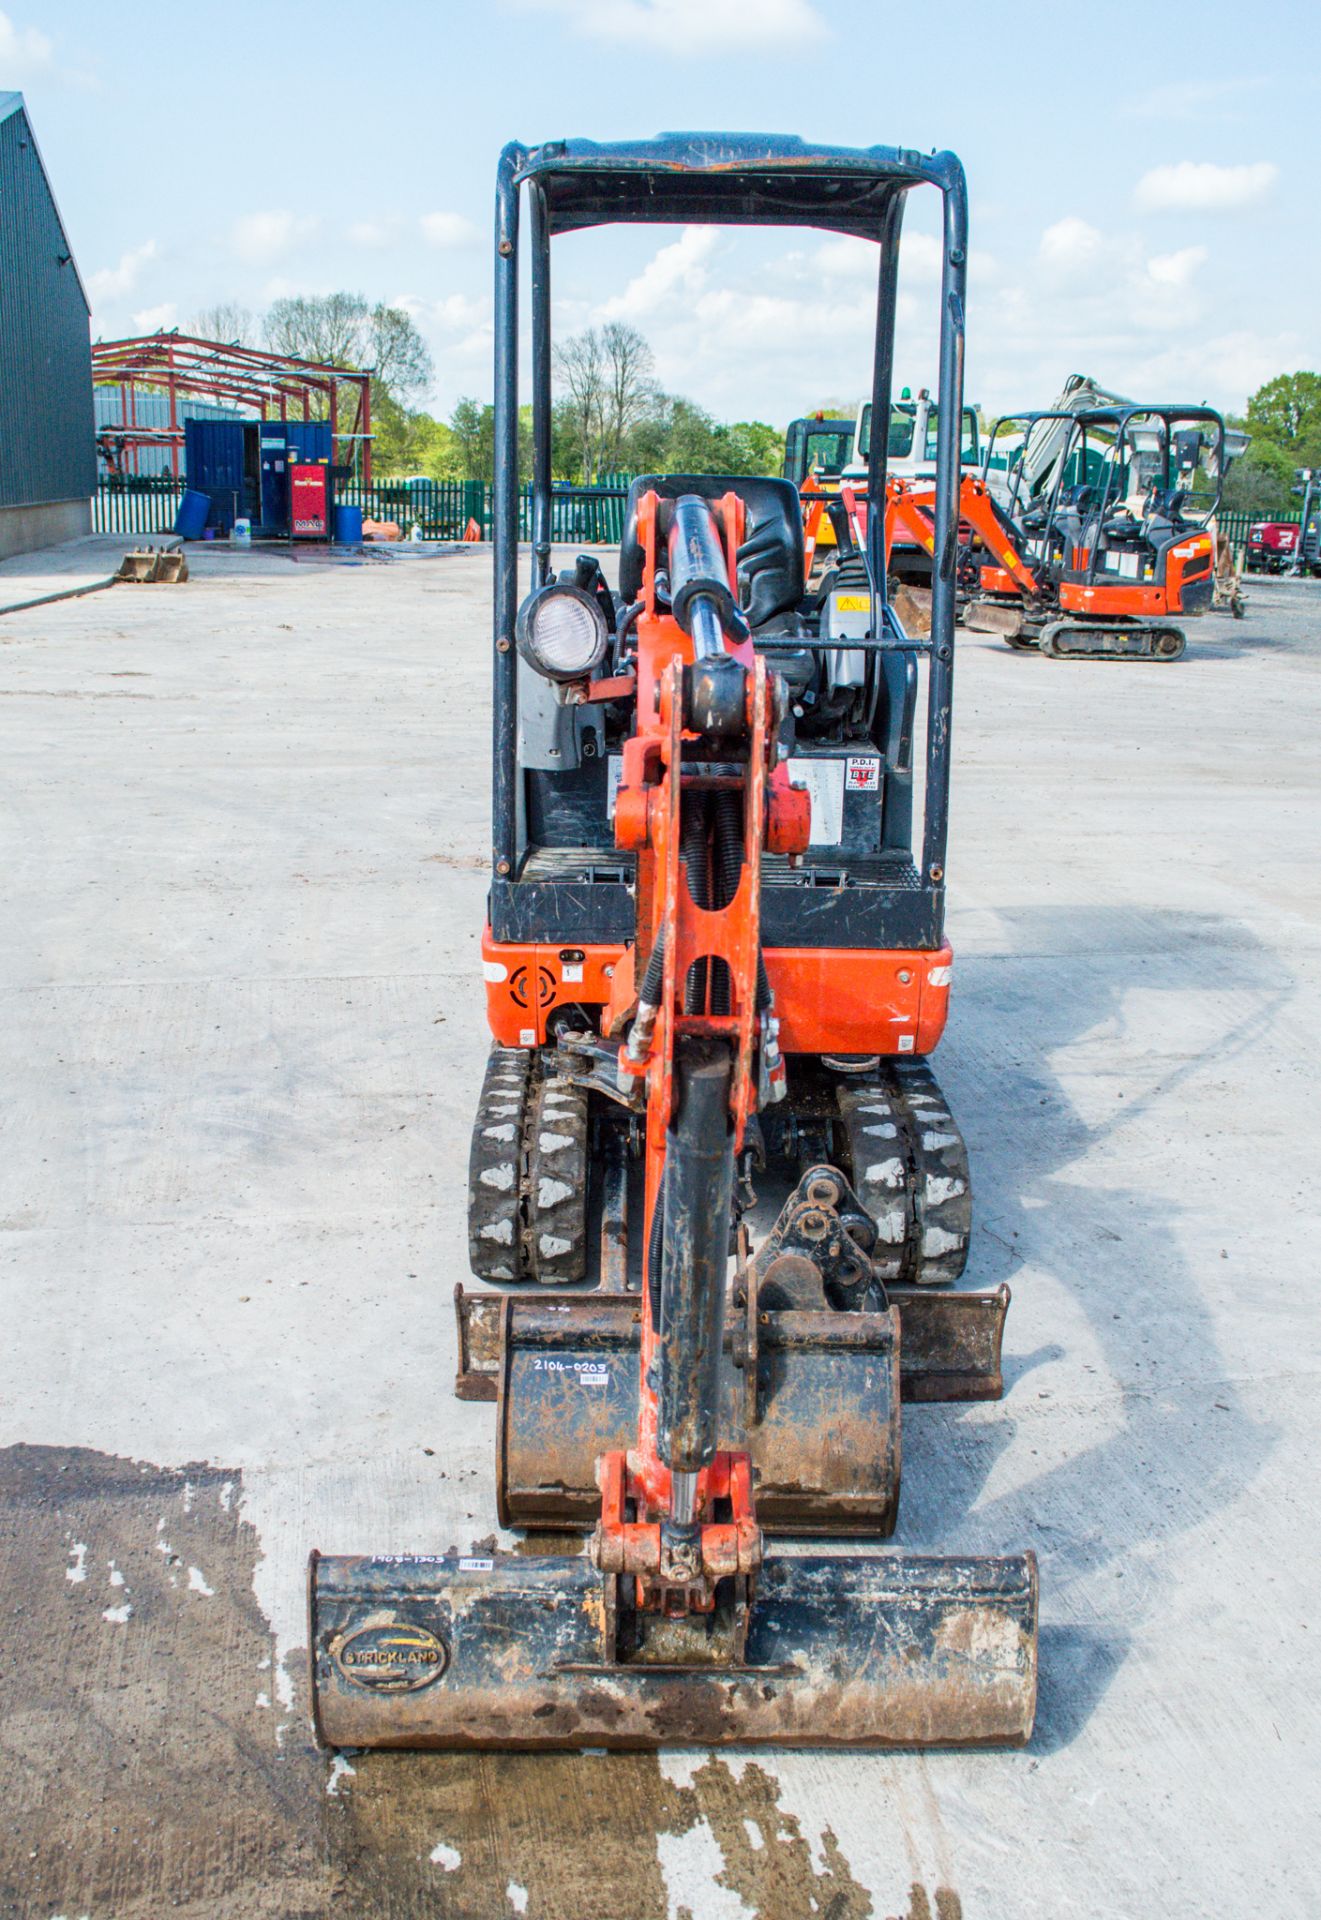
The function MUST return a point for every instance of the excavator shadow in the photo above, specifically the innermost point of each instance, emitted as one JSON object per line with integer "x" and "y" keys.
{"x": 1080, "y": 1063}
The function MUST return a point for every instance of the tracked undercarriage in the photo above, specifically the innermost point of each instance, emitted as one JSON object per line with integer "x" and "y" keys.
{"x": 547, "y": 1153}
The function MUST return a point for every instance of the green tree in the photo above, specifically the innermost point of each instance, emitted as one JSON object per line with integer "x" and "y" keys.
{"x": 756, "y": 447}
{"x": 472, "y": 426}
{"x": 1260, "y": 481}
{"x": 397, "y": 353}
{"x": 329, "y": 327}
{"x": 409, "y": 443}
{"x": 1287, "y": 410}
{"x": 606, "y": 390}
{"x": 343, "y": 330}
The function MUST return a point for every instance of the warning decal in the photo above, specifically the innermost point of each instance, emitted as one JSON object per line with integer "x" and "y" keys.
{"x": 862, "y": 774}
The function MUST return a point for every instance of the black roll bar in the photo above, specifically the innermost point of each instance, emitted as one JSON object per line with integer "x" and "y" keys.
{"x": 727, "y": 179}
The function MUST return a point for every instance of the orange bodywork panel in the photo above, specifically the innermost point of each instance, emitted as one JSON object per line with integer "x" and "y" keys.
{"x": 844, "y": 1000}
{"x": 524, "y": 985}
{"x": 1189, "y": 560}
{"x": 829, "y": 1000}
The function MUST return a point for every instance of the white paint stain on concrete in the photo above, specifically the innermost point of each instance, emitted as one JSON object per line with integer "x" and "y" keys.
{"x": 517, "y": 1896}
{"x": 284, "y": 1686}
{"x": 443, "y": 1855}
{"x": 340, "y": 1770}
{"x": 77, "y": 1571}
{"x": 689, "y": 1863}
{"x": 118, "y": 1616}
{"x": 197, "y": 1583}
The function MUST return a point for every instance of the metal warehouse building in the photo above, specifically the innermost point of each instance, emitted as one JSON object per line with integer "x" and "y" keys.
{"x": 47, "y": 445}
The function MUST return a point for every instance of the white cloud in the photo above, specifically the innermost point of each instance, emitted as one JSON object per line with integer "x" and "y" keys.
{"x": 113, "y": 283}
{"x": 679, "y": 267}
{"x": 156, "y": 319}
{"x": 261, "y": 237}
{"x": 375, "y": 233}
{"x": 1070, "y": 245}
{"x": 24, "y": 53}
{"x": 461, "y": 312}
{"x": 447, "y": 230}
{"x": 684, "y": 28}
{"x": 1176, "y": 269}
{"x": 1193, "y": 186}
{"x": 845, "y": 258}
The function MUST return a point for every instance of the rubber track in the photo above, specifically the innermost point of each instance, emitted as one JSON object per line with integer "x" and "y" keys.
{"x": 941, "y": 1224}
{"x": 495, "y": 1167}
{"x": 527, "y": 1175}
{"x": 878, "y": 1150}
{"x": 1050, "y": 633}
{"x": 910, "y": 1170}
{"x": 555, "y": 1213}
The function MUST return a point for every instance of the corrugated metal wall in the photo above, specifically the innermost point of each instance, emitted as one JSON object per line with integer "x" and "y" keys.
{"x": 47, "y": 447}
{"x": 150, "y": 409}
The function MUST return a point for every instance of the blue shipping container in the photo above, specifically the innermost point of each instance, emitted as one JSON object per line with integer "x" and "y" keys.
{"x": 243, "y": 466}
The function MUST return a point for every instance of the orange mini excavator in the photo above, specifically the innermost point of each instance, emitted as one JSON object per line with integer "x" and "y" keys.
{"x": 1108, "y": 558}
{"x": 715, "y": 956}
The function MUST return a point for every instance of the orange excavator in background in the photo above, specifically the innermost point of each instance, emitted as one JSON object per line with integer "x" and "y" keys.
{"x": 1103, "y": 561}
{"x": 1117, "y": 546}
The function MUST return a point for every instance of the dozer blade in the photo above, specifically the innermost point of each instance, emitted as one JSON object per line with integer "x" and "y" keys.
{"x": 513, "y": 1652}
{"x": 950, "y": 1339}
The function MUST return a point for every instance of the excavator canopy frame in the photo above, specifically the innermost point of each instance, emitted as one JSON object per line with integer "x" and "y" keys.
{"x": 725, "y": 180}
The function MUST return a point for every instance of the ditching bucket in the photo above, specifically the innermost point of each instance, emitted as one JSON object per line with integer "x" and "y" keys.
{"x": 814, "y": 1397}
{"x": 513, "y": 1652}
{"x": 816, "y": 1404}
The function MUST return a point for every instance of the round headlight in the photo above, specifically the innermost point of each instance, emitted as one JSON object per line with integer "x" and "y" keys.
{"x": 561, "y": 631}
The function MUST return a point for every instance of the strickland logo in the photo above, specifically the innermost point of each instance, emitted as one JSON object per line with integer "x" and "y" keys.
{"x": 391, "y": 1659}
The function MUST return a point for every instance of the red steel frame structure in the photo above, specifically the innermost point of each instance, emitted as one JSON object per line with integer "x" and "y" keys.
{"x": 273, "y": 385}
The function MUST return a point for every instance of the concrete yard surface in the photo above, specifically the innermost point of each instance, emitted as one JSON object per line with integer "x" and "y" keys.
{"x": 245, "y": 849}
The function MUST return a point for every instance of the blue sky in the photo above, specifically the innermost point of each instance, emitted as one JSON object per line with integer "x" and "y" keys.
{"x": 1142, "y": 178}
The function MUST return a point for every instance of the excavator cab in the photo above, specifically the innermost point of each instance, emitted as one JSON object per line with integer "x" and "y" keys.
{"x": 718, "y": 1204}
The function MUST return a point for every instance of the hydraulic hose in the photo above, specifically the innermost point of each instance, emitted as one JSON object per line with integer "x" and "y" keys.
{"x": 729, "y": 871}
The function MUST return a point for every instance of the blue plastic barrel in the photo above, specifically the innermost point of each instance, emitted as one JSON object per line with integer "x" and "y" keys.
{"x": 190, "y": 521}
{"x": 348, "y": 526}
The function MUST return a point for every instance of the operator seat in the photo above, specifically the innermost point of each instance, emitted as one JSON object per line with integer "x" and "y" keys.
{"x": 771, "y": 556}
